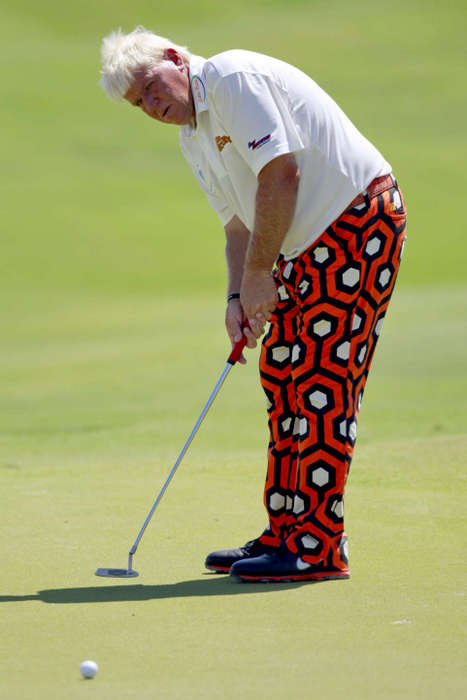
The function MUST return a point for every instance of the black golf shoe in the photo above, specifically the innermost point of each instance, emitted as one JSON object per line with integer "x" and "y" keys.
{"x": 281, "y": 565}
{"x": 223, "y": 559}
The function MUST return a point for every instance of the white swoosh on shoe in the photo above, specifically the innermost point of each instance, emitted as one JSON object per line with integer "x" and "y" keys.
{"x": 302, "y": 565}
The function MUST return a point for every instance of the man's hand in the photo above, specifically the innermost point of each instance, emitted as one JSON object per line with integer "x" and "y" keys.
{"x": 234, "y": 318}
{"x": 258, "y": 297}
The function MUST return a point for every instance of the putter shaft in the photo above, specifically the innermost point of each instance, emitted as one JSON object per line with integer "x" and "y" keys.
{"x": 232, "y": 359}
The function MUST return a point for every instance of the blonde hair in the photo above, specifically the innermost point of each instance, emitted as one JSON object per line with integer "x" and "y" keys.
{"x": 124, "y": 54}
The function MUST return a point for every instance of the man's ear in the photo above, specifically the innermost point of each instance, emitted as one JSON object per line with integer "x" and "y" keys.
{"x": 174, "y": 56}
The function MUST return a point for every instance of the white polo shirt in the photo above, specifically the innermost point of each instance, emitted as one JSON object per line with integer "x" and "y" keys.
{"x": 251, "y": 109}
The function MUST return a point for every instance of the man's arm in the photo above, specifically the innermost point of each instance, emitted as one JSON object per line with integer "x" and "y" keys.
{"x": 276, "y": 199}
{"x": 237, "y": 237}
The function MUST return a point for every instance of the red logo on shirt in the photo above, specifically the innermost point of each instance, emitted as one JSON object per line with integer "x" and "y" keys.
{"x": 257, "y": 144}
{"x": 222, "y": 142}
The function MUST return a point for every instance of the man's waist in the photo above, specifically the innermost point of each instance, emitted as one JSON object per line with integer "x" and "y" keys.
{"x": 376, "y": 187}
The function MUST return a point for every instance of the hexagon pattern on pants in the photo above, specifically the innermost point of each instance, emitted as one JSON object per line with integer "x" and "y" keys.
{"x": 314, "y": 364}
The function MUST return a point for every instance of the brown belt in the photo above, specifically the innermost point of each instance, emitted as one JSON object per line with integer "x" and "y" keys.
{"x": 376, "y": 186}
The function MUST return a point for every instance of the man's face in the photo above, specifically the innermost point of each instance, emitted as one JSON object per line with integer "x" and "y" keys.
{"x": 164, "y": 93}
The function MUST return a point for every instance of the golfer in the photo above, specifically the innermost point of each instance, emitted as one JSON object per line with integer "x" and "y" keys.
{"x": 314, "y": 223}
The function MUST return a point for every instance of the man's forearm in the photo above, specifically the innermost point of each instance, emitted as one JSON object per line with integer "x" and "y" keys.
{"x": 237, "y": 239}
{"x": 276, "y": 200}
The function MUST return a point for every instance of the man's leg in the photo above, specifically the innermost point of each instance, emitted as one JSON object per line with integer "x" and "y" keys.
{"x": 277, "y": 383}
{"x": 342, "y": 286}
{"x": 361, "y": 254}
{"x": 276, "y": 378}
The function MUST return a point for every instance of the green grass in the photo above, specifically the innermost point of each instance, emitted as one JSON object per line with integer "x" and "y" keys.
{"x": 98, "y": 404}
{"x": 112, "y": 285}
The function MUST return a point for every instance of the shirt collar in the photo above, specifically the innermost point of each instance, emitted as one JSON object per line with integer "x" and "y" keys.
{"x": 198, "y": 86}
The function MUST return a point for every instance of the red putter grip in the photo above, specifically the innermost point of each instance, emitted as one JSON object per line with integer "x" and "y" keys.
{"x": 238, "y": 347}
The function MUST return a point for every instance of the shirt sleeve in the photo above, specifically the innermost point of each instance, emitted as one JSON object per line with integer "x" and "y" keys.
{"x": 214, "y": 196}
{"x": 256, "y": 116}
{"x": 217, "y": 202}
{"x": 223, "y": 211}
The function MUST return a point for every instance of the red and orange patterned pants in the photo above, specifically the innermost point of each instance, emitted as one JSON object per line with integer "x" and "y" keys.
{"x": 314, "y": 364}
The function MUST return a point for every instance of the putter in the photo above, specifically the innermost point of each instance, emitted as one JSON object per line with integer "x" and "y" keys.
{"x": 130, "y": 572}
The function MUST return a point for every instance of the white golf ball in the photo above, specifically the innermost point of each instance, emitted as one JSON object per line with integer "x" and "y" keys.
{"x": 89, "y": 669}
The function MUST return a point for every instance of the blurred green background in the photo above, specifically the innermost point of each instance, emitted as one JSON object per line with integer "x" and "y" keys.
{"x": 112, "y": 287}
{"x": 89, "y": 186}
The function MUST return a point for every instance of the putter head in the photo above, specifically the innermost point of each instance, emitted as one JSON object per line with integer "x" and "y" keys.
{"x": 116, "y": 573}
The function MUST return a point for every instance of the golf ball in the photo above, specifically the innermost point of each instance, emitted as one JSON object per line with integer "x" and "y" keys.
{"x": 88, "y": 669}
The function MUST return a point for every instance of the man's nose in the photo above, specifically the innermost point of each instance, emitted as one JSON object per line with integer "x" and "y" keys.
{"x": 149, "y": 103}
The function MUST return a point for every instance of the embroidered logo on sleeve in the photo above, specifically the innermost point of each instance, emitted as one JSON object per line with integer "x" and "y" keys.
{"x": 258, "y": 143}
{"x": 222, "y": 142}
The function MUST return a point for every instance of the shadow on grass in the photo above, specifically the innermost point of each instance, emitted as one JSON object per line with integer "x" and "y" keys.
{"x": 209, "y": 586}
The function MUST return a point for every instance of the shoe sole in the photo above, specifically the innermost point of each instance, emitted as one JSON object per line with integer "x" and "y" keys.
{"x": 290, "y": 579}
{"x": 218, "y": 569}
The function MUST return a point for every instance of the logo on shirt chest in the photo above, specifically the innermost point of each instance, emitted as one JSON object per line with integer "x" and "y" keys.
{"x": 222, "y": 142}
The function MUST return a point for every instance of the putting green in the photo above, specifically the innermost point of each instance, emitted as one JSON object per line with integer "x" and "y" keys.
{"x": 94, "y": 424}
{"x": 111, "y": 345}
